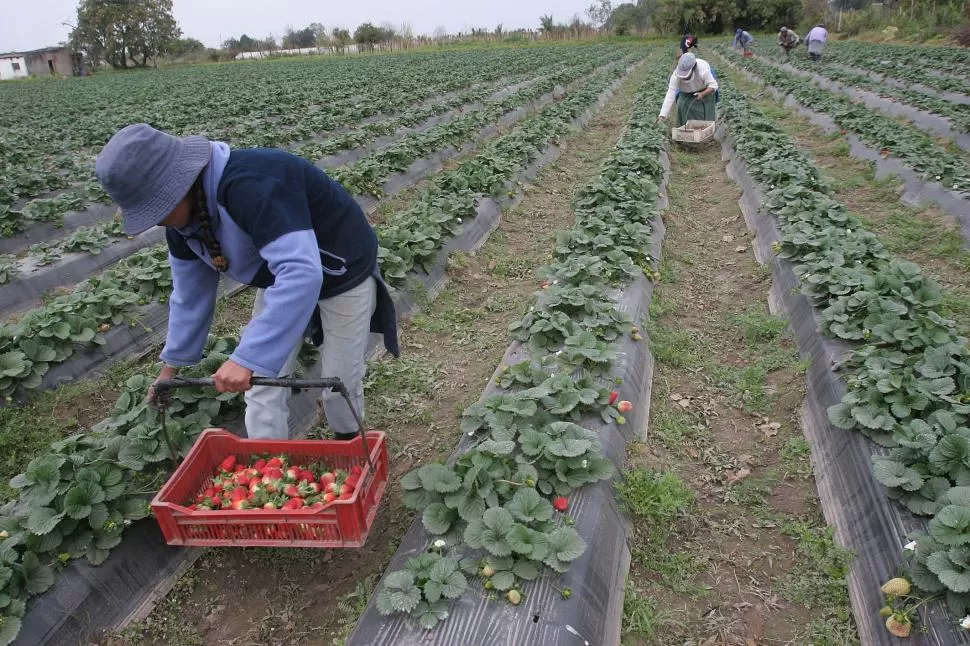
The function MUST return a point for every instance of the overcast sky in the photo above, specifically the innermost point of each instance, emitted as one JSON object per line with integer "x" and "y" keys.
{"x": 32, "y": 24}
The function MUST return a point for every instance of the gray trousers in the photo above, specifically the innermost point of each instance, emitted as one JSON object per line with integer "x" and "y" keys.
{"x": 346, "y": 331}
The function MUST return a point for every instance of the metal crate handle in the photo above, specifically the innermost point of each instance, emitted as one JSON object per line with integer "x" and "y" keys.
{"x": 163, "y": 397}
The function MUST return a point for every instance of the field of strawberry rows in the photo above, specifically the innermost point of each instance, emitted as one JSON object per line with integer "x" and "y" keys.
{"x": 531, "y": 95}
{"x": 901, "y": 362}
{"x": 940, "y": 68}
{"x": 502, "y": 218}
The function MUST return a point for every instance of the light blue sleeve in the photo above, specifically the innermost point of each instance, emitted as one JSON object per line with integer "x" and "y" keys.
{"x": 294, "y": 259}
{"x": 191, "y": 308}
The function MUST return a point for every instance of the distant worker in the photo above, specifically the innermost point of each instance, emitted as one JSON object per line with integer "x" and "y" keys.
{"x": 787, "y": 40}
{"x": 815, "y": 41}
{"x": 743, "y": 40}
{"x": 688, "y": 42}
{"x": 694, "y": 86}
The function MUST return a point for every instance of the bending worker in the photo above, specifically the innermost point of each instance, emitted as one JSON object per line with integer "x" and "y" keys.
{"x": 815, "y": 40}
{"x": 687, "y": 43}
{"x": 787, "y": 40}
{"x": 743, "y": 40}
{"x": 695, "y": 82}
{"x": 268, "y": 219}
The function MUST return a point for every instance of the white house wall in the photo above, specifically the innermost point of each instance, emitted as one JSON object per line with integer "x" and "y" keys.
{"x": 6, "y": 68}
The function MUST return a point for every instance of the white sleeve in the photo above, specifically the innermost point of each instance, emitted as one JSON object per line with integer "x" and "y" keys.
{"x": 708, "y": 77}
{"x": 669, "y": 98}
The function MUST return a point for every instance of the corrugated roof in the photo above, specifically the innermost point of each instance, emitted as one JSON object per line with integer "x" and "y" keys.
{"x": 33, "y": 51}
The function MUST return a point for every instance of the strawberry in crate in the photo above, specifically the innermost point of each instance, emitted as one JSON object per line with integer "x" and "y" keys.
{"x": 269, "y": 483}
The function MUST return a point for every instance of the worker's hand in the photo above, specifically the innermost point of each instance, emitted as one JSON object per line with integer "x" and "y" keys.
{"x": 166, "y": 373}
{"x": 233, "y": 378}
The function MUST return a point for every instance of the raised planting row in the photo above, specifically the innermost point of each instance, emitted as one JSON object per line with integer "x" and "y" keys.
{"x": 368, "y": 175}
{"x": 958, "y": 114}
{"x": 296, "y": 100}
{"x": 905, "y": 371}
{"x": 915, "y": 148}
{"x": 132, "y": 433}
{"x": 51, "y": 334}
{"x": 937, "y": 67}
{"x": 494, "y": 528}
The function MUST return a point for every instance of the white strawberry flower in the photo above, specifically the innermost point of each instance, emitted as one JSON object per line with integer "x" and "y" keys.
{"x": 965, "y": 623}
{"x": 459, "y": 220}
{"x": 438, "y": 544}
{"x": 910, "y": 546}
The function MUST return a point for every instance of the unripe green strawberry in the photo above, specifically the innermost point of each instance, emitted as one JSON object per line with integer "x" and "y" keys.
{"x": 885, "y": 611}
{"x": 514, "y": 597}
{"x": 898, "y": 587}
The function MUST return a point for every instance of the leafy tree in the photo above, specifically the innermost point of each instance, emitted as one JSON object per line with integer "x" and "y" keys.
{"x": 548, "y": 26}
{"x": 367, "y": 35}
{"x": 306, "y": 37}
{"x": 341, "y": 38}
{"x": 600, "y": 13}
{"x": 627, "y": 19}
{"x": 186, "y": 46}
{"x": 125, "y": 33}
{"x": 243, "y": 44}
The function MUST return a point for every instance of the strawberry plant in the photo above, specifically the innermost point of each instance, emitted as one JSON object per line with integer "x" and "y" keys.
{"x": 8, "y": 269}
{"x": 499, "y": 505}
{"x": 912, "y": 146}
{"x": 907, "y": 377}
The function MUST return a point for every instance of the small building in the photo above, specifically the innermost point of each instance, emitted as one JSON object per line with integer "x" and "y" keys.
{"x": 49, "y": 61}
{"x": 12, "y": 66}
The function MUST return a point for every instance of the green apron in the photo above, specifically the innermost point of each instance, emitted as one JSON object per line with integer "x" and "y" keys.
{"x": 690, "y": 108}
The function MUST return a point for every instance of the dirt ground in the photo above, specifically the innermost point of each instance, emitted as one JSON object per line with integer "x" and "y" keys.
{"x": 730, "y": 545}
{"x": 267, "y": 597}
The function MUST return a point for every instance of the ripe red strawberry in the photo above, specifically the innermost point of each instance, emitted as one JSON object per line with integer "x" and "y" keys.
{"x": 240, "y": 493}
{"x": 614, "y": 396}
{"x": 292, "y": 491}
{"x": 307, "y": 476}
{"x": 259, "y": 464}
{"x": 560, "y": 503}
{"x": 346, "y": 496}
{"x": 308, "y": 488}
{"x": 346, "y": 490}
{"x": 624, "y": 406}
{"x": 356, "y": 470}
{"x": 272, "y": 486}
{"x": 292, "y": 474}
{"x": 332, "y": 487}
{"x": 329, "y": 497}
{"x": 293, "y": 503}
{"x": 240, "y": 504}
{"x": 317, "y": 505}
{"x": 228, "y": 464}
{"x": 217, "y": 501}
{"x": 326, "y": 479}
{"x": 275, "y": 461}
{"x": 269, "y": 505}
{"x": 272, "y": 473}
{"x": 243, "y": 479}
{"x": 351, "y": 481}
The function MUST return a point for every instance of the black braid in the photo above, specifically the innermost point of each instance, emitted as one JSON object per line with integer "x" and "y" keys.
{"x": 201, "y": 211}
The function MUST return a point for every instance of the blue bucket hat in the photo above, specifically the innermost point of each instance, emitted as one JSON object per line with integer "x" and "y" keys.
{"x": 148, "y": 172}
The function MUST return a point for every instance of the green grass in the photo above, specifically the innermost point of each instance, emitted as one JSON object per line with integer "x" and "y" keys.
{"x": 400, "y": 391}
{"x": 654, "y": 497}
{"x": 674, "y": 428}
{"x": 796, "y": 455}
{"x": 817, "y": 580}
{"x": 641, "y": 617}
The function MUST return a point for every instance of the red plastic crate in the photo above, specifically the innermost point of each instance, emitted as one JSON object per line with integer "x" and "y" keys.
{"x": 342, "y": 523}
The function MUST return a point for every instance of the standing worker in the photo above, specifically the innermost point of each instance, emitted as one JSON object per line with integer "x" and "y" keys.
{"x": 787, "y": 40}
{"x": 815, "y": 41}
{"x": 693, "y": 84}
{"x": 268, "y": 219}
{"x": 743, "y": 40}
{"x": 688, "y": 42}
